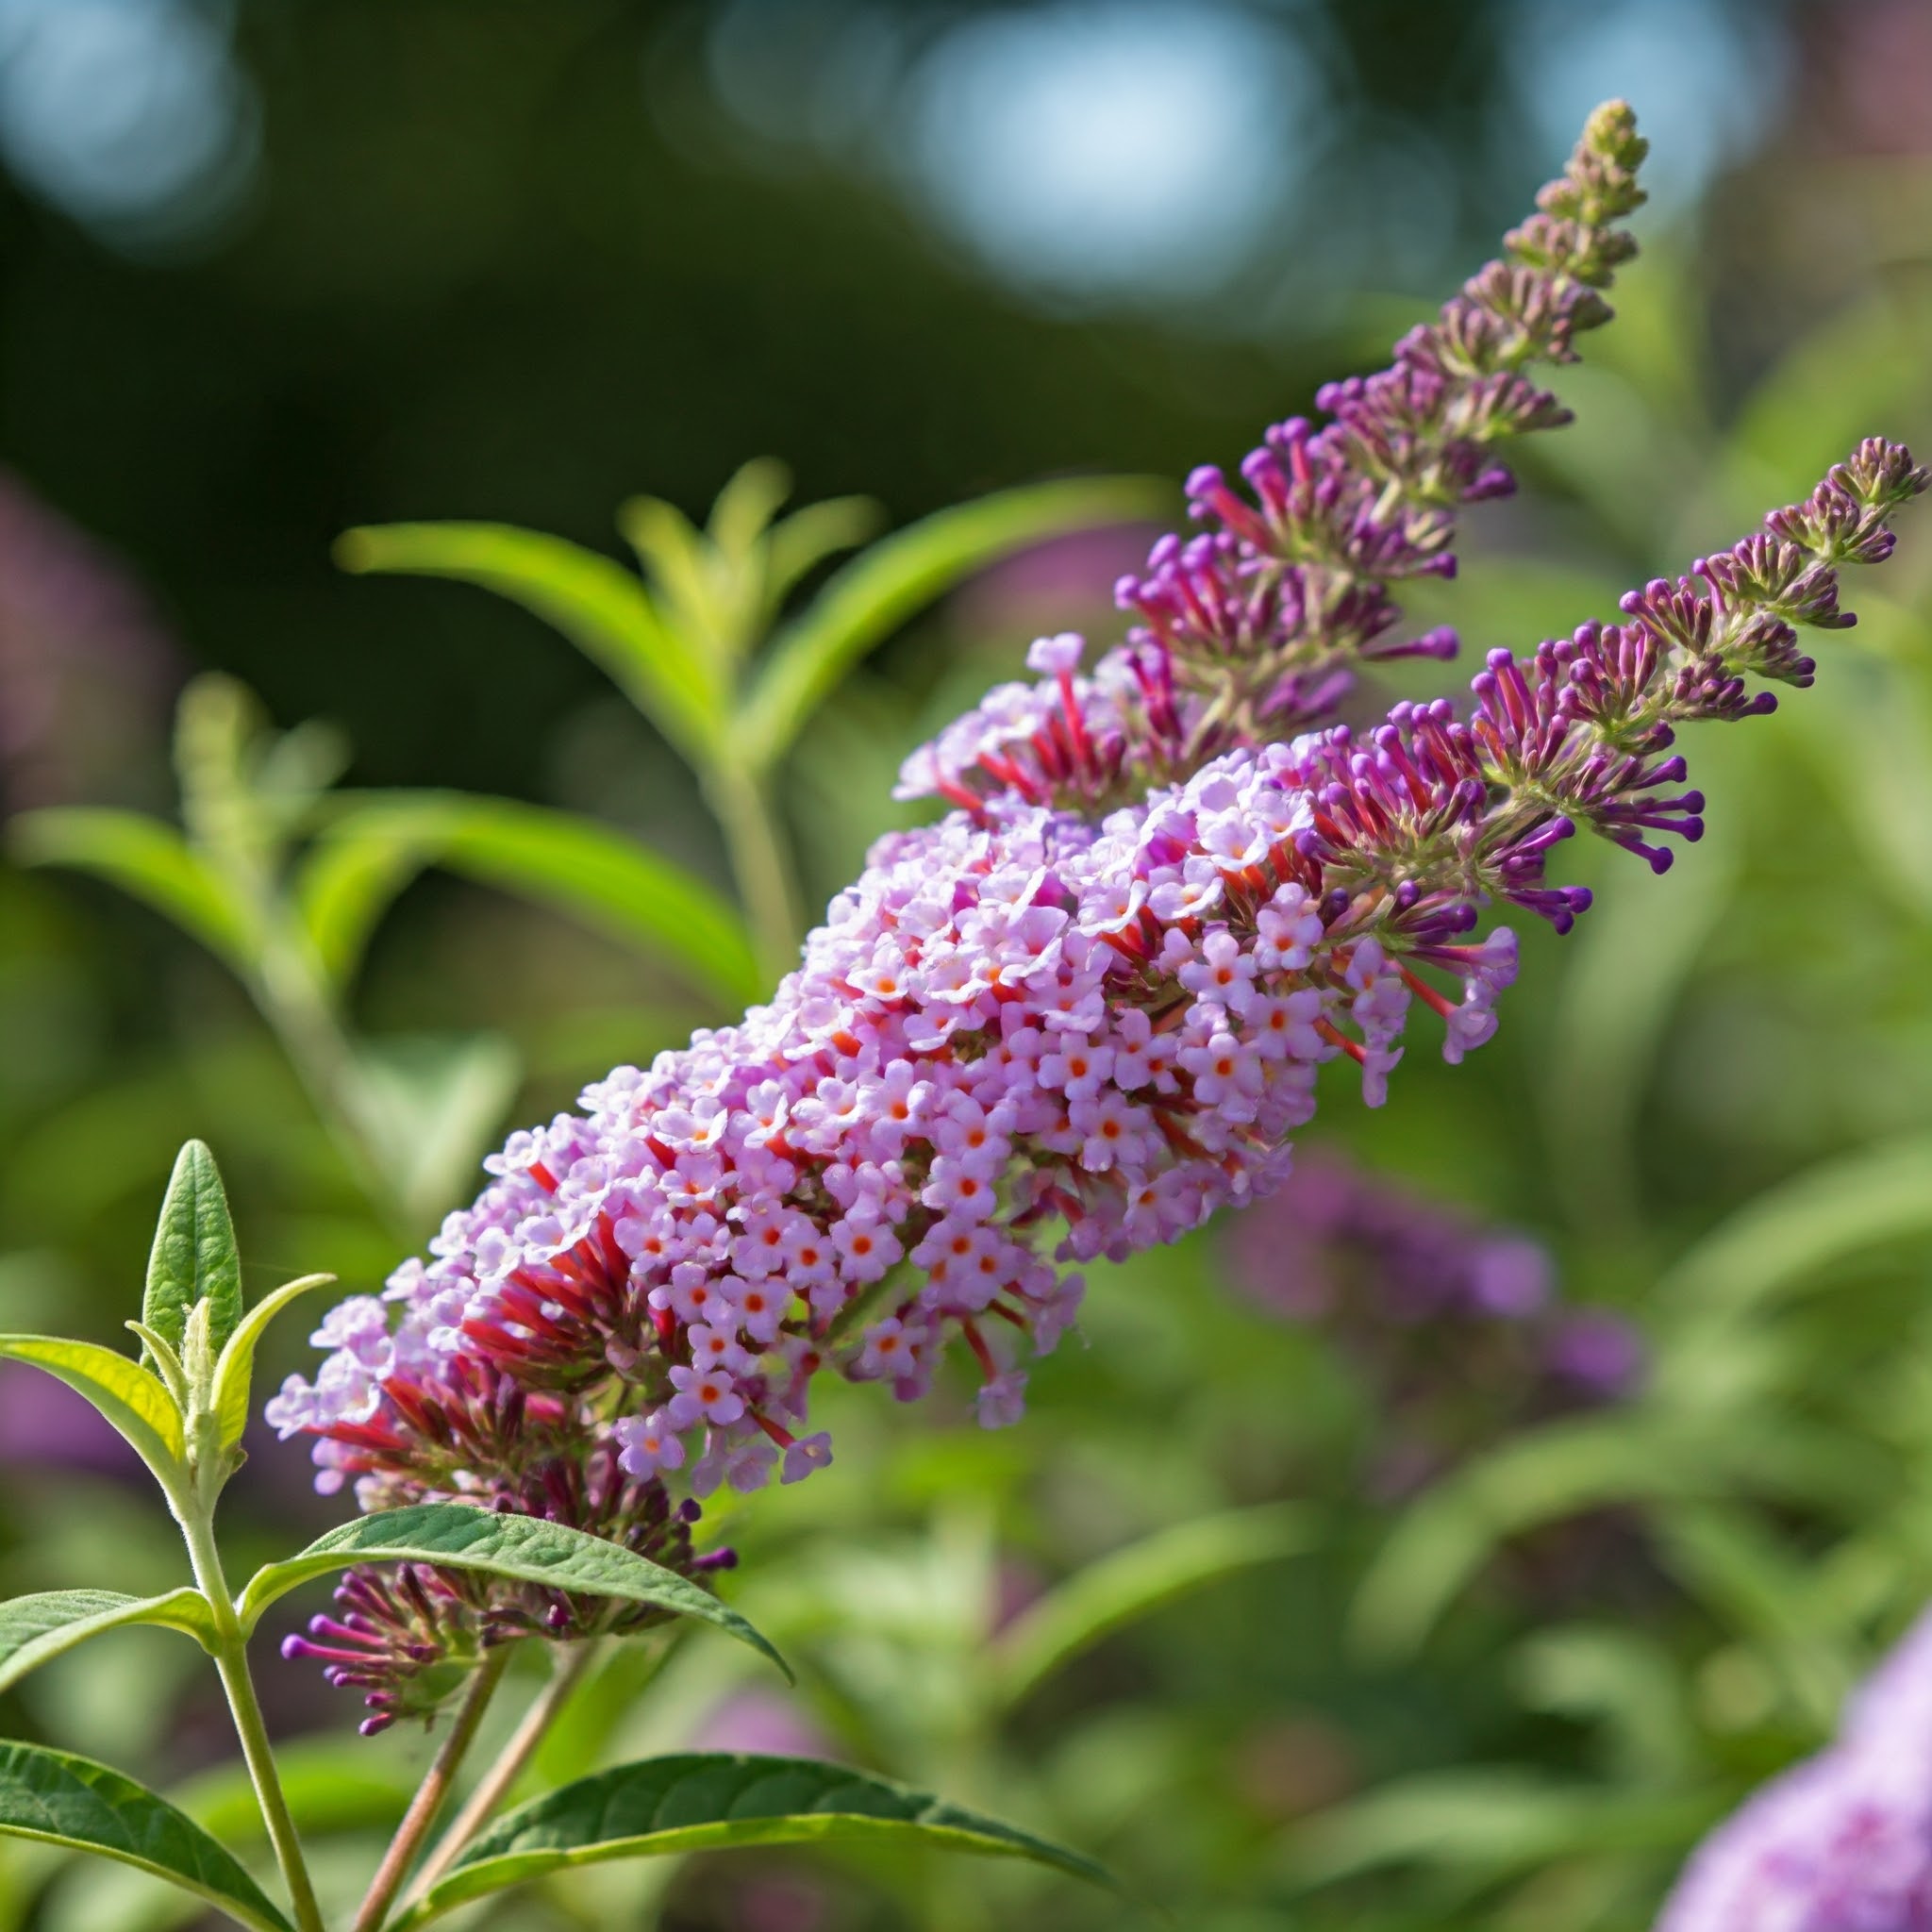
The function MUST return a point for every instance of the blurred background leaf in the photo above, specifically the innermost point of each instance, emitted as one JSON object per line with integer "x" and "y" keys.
{"x": 359, "y": 267}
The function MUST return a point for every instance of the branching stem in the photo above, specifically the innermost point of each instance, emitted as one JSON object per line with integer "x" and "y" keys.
{"x": 433, "y": 1792}
{"x": 509, "y": 1767}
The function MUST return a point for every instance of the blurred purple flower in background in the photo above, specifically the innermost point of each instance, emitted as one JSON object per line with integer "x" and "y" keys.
{"x": 44, "y": 1425}
{"x": 1844, "y": 1842}
{"x": 86, "y": 669}
{"x": 752, "y": 1718}
{"x": 1457, "y": 1329}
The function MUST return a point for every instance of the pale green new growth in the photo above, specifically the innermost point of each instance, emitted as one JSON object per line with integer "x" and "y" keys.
{"x": 193, "y": 1260}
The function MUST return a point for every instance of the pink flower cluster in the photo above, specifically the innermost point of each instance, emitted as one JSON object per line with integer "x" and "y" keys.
{"x": 1003, "y": 1026}
{"x": 1033, "y": 1034}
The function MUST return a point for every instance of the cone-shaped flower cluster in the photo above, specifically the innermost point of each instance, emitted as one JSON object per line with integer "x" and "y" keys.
{"x": 1033, "y": 1034}
{"x": 1842, "y": 1843}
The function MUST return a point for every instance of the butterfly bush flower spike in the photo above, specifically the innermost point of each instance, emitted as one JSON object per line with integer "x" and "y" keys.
{"x": 1084, "y": 1010}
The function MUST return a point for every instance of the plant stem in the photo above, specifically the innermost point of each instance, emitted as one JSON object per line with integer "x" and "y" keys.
{"x": 231, "y": 1660}
{"x": 432, "y": 1793}
{"x": 509, "y": 1767}
{"x": 740, "y": 799}
{"x": 290, "y": 997}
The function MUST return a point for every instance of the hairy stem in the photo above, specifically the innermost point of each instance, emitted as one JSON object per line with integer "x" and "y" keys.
{"x": 432, "y": 1793}
{"x": 231, "y": 1660}
{"x": 741, "y": 801}
{"x": 509, "y": 1767}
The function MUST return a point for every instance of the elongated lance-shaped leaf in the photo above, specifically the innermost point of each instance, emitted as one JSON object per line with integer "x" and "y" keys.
{"x": 1647, "y": 1454}
{"x": 332, "y": 1784}
{"x": 124, "y": 1392}
{"x": 873, "y": 594}
{"x": 35, "y": 1629}
{"x": 193, "y": 1259}
{"x": 235, "y": 1369}
{"x": 349, "y": 879}
{"x": 704, "y": 1801}
{"x": 810, "y": 535}
{"x": 1842, "y": 1205}
{"x": 62, "y": 1800}
{"x": 591, "y": 873}
{"x": 146, "y": 860}
{"x": 1483, "y": 1819}
{"x": 1132, "y": 1582}
{"x": 597, "y": 604}
{"x": 457, "y": 1536}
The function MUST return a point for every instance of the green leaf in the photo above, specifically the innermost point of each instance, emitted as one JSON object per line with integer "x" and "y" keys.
{"x": 1626, "y": 1686}
{"x": 1490, "y": 1819}
{"x": 878, "y": 592}
{"x": 1842, "y": 1207}
{"x": 1646, "y": 1454}
{"x": 810, "y": 535}
{"x": 701, "y": 1801}
{"x": 62, "y": 1800}
{"x": 1446, "y": 1535}
{"x": 686, "y": 583}
{"x": 591, "y": 872}
{"x": 454, "y": 1536}
{"x": 235, "y": 1369}
{"x": 334, "y": 1785}
{"x": 1841, "y": 379}
{"x": 161, "y": 1358}
{"x": 1131, "y": 1582}
{"x": 1755, "y": 1586}
{"x": 124, "y": 1392}
{"x": 193, "y": 1259}
{"x": 597, "y": 604}
{"x": 1866, "y": 731}
{"x": 146, "y": 860}
{"x": 744, "y": 507}
{"x": 436, "y": 1104}
{"x": 348, "y": 880}
{"x": 34, "y": 1629}
{"x": 1634, "y": 958}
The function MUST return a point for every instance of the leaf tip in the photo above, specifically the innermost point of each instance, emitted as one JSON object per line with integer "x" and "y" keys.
{"x": 356, "y": 550}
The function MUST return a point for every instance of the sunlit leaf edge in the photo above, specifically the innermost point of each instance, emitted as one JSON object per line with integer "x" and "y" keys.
{"x": 96, "y": 1612}
{"x": 591, "y": 872}
{"x": 146, "y": 858}
{"x": 870, "y": 597}
{"x": 134, "y": 1401}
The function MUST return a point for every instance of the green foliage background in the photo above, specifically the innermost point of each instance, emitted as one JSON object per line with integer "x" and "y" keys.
{"x": 481, "y": 284}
